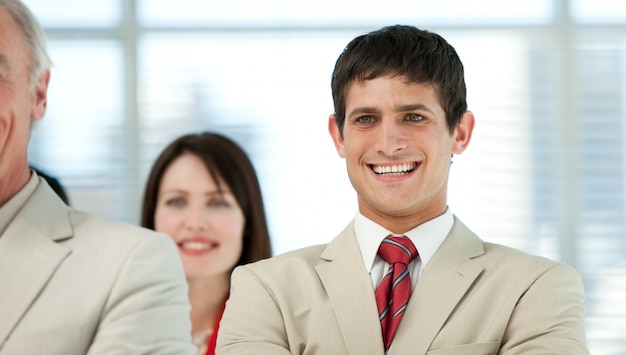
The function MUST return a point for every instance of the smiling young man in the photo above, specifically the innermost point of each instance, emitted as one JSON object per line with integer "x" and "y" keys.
{"x": 405, "y": 276}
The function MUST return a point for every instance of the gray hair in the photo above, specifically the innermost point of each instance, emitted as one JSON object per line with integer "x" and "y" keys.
{"x": 35, "y": 38}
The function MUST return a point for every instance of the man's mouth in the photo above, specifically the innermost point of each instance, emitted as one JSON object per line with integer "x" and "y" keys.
{"x": 391, "y": 170}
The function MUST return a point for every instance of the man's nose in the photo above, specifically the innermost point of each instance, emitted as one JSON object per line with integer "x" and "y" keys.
{"x": 391, "y": 137}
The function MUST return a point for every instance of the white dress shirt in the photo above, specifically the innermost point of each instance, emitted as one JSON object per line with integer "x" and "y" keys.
{"x": 427, "y": 237}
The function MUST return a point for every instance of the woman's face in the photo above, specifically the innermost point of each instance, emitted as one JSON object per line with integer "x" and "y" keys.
{"x": 206, "y": 224}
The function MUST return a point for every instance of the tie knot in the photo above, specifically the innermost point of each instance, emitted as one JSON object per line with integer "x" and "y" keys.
{"x": 397, "y": 249}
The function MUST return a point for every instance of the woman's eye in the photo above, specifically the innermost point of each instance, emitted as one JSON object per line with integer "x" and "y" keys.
{"x": 218, "y": 203}
{"x": 365, "y": 119}
{"x": 414, "y": 117}
{"x": 175, "y": 202}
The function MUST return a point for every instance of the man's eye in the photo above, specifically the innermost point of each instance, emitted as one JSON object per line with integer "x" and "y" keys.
{"x": 414, "y": 117}
{"x": 366, "y": 119}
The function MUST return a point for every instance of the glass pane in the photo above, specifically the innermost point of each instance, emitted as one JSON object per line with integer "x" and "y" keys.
{"x": 76, "y": 13}
{"x": 79, "y": 138}
{"x": 598, "y": 11}
{"x": 369, "y": 13}
{"x": 602, "y": 171}
{"x": 498, "y": 92}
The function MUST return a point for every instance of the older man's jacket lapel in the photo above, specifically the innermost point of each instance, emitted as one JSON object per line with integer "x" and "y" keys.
{"x": 30, "y": 254}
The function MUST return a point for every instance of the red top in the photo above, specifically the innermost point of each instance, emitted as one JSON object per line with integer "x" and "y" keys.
{"x": 213, "y": 339}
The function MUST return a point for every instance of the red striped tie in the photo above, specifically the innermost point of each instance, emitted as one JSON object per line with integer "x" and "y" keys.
{"x": 392, "y": 294}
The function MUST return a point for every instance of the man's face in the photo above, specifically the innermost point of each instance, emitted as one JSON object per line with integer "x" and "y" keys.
{"x": 397, "y": 147}
{"x": 18, "y": 103}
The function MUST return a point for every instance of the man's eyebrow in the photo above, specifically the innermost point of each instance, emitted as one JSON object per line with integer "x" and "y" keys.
{"x": 364, "y": 110}
{"x": 401, "y": 108}
{"x": 413, "y": 107}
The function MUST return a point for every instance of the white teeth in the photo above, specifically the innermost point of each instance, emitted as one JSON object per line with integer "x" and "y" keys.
{"x": 401, "y": 168}
{"x": 195, "y": 245}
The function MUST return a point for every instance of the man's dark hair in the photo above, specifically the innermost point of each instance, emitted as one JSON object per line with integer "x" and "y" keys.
{"x": 419, "y": 56}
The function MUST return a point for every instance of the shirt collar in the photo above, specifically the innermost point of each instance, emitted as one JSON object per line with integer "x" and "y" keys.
{"x": 427, "y": 237}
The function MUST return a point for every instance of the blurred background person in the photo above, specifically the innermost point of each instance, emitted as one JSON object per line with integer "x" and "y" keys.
{"x": 203, "y": 191}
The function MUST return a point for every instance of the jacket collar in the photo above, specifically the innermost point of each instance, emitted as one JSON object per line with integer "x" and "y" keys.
{"x": 351, "y": 294}
{"x": 30, "y": 254}
{"x": 445, "y": 280}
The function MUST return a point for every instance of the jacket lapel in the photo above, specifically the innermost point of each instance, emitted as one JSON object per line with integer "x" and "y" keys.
{"x": 445, "y": 280}
{"x": 351, "y": 294}
{"x": 29, "y": 254}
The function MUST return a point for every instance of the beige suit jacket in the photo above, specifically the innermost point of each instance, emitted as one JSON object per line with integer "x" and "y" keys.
{"x": 472, "y": 298}
{"x": 71, "y": 283}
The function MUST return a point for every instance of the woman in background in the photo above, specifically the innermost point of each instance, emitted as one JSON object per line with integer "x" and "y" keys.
{"x": 204, "y": 193}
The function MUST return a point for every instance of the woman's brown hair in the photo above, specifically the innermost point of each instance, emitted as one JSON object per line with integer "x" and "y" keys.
{"x": 226, "y": 162}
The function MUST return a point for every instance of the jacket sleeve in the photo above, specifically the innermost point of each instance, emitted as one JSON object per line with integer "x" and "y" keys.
{"x": 147, "y": 311}
{"x": 252, "y": 322}
{"x": 549, "y": 317}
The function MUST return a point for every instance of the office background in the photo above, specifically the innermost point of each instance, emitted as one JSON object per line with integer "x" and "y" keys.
{"x": 546, "y": 80}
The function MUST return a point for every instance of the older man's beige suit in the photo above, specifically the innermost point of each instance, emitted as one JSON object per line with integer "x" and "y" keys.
{"x": 71, "y": 283}
{"x": 472, "y": 298}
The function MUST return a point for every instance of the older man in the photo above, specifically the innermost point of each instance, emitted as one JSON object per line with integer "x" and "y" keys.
{"x": 71, "y": 283}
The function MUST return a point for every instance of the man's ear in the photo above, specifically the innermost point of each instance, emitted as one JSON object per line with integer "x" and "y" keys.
{"x": 40, "y": 93}
{"x": 335, "y": 134}
{"x": 463, "y": 133}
